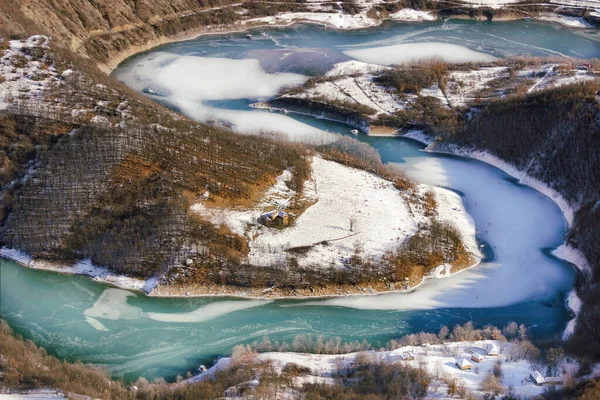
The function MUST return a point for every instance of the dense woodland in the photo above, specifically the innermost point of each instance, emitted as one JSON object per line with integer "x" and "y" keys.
{"x": 121, "y": 195}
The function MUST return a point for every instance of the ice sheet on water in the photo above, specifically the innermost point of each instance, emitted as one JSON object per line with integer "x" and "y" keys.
{"x": 186, "y": 82}
{"x": 410, "y": 52}
{"x": 207, "y": 312}
{"x": 112, "y": 304}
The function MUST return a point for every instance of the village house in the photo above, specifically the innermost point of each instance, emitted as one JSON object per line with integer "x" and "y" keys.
{"x": 492, "y": 349}
{"x": 537, "y": 378}
{"x": 477, "y": 357}
{"x": 463, "y": 364}
{"x": 275, "y": 218}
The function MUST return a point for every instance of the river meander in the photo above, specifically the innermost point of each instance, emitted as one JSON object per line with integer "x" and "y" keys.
{"x": 135, "y": 335}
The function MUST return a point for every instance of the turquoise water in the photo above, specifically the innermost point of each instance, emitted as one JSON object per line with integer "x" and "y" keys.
{"x": 48, "y": 308}
{"x": 135, "y": 335}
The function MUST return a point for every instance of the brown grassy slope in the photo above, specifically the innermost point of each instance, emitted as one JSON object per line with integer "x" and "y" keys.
{"x": 107, "y": 29}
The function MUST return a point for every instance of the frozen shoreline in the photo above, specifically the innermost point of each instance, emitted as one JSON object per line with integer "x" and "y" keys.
{"x": 564, "y": 252}
{"x": 83, "y": 268}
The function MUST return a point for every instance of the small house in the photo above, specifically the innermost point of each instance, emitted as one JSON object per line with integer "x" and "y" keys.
{"x": 463, "y": 364}
{"x": 275, "y": 218}
{"x": 492, "y": 349}
{"x": 477, "y": 357}
{"x": 537, "y": 378}
{"x": 407, "y": 356}
{"x": 553, "y": 380}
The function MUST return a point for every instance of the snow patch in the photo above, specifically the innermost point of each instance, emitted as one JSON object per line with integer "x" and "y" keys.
{"x": 411, "y": 52}
{"x": 82, "y": 267}
{"x": 408, "y": 14}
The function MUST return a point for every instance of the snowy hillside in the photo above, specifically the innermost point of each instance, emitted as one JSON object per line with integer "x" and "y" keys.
{"x": 353, "y": 210}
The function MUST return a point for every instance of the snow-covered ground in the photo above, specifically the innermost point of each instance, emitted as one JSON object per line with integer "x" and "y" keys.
{"x": 463, "y": 86}
{"x": 408, "y": 14}
{"x": 355, "y": 84}
{"x": 439, "y": 360}
{"x": 547, "y": 77}
{"x": 490, "y": 3}
{"x": 43, "y": 394}
{"x": 342, "y": 194}
{"x": 83, "y": 267}
{"x": 24, "y": 77}
{"x": 337, "y": 20}
{"x": 571, "y": 22}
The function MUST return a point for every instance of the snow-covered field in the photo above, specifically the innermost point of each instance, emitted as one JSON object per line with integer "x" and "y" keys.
{"x": 408, "y": 14}
{"x": 34, "y": 395}
{"x": 356, "y": 85}
{"x": 439, "y": 360}
{"x": 490, "y": 3}
{"x": 342, "y": 195}
{"x": 571, "y": 22}
{"x": 547, "y": 77}
{"x": 463, "y": 86}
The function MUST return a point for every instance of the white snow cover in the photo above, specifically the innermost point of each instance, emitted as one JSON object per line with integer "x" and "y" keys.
{"x": 410, "y": 52}
{"x": 83, "y": 267}
{"x": 359, "y": 89}
{"x": 462, "y": 86}
{"x": 593, "y": 4}
{"x": 188, "y": 81}
{"x": 408, "y": 14}
{"x": 343, "y": 194}
{"x": 571, "y": 22}
{"x": 574, "y": 304}
{"x": 321, "y": 13}
{"x": 335, "y": 20}
{"x": 112, "y": 305}
{"x": 490, "y": 3}
{"x": 439, "y": 360}
{"x": 30, "y": 79}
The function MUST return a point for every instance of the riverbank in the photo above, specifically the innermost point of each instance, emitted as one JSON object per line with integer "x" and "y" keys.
{"x": 438, "y": 360}
{"x": 564, "y": 252}
{"x": 359, "y": 21}
{"x": 83, "y": 268}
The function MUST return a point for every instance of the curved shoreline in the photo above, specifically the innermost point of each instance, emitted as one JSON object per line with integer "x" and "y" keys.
{"x": 563, "y": 252}
{"x": 245, "y": 25}
{"x": 104, "y": 276}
